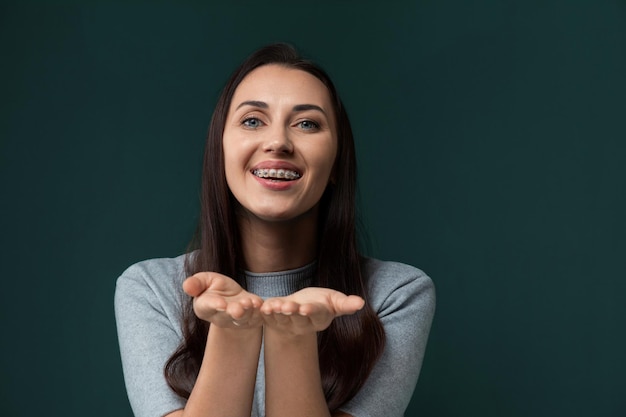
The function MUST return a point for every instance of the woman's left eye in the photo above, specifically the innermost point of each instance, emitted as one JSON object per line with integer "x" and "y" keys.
{"x": 308, "y": 125}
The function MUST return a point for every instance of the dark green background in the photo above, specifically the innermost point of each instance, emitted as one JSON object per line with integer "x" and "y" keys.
{"x": 490, "y": 138}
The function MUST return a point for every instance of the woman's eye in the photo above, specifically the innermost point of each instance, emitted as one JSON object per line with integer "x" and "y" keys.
{"x": 308, "y": 125}
{"x": 252, "y": 122}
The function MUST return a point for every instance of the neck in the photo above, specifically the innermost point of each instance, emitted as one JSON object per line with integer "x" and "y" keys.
{"x": 270, "y": 246}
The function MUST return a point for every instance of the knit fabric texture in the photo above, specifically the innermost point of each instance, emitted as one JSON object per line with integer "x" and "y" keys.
{"x": 148, "y": 305}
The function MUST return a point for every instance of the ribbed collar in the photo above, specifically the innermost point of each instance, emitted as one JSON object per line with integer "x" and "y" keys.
{"x": 280, "y": 284}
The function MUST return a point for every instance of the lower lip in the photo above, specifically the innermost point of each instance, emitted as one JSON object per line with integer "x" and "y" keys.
{"x": 275, "y": 185}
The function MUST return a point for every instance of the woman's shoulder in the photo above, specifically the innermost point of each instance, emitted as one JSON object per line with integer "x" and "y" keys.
{"x": 394, "y": 283}
{"x": 390, "y": 273}
{"x": 158, "y": 275}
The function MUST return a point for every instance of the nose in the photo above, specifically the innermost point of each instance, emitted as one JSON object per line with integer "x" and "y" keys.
{"x": 278, "y": 142}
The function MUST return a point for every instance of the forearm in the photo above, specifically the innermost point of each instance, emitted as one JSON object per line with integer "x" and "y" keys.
{"x": 293, "y": 384}
{"x": 225, "y": 383}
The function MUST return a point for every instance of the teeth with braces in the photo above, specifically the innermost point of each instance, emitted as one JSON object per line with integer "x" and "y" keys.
{"x": 276, "y": 173}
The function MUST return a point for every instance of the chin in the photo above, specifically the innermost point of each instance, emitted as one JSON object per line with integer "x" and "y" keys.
{"x": 277, "y": 216}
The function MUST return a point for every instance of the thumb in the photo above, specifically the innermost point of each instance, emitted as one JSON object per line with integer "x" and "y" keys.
{"x": 197, "y": 284}
{"x": 349, "y": 304}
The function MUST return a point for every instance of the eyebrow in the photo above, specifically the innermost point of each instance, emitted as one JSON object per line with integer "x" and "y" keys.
{"x": 297, "y": 107}
{"x": 304, "y": 107}
{"x": 253, "y": 103}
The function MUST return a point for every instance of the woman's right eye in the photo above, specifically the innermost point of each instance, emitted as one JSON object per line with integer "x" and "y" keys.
{"x": 252, "y": 122}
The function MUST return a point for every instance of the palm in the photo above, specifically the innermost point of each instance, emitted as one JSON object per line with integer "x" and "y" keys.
{"x": 309, "y": 310}
{"x": 221, "y": 300}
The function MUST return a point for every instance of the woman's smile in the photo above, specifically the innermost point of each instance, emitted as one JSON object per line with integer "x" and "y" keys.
{"x": 276, "y": 175}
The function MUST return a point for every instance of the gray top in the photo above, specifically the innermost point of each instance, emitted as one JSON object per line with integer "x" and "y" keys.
{"x": 148, "y": 300}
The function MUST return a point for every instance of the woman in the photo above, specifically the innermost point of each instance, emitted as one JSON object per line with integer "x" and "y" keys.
{"x": 280, "y": 314}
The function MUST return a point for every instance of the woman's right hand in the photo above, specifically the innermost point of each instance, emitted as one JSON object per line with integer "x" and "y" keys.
{"x": 221, "y": 301}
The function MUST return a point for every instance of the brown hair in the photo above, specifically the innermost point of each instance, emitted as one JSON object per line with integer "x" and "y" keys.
{"x": 352, "y": 344}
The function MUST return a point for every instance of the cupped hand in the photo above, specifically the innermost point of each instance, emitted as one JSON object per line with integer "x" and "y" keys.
{"x": 221, "y": 301}
{"x": 309, "y": 310}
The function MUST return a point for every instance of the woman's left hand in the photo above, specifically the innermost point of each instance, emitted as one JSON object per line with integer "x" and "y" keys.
{"x": 309, "y": 310}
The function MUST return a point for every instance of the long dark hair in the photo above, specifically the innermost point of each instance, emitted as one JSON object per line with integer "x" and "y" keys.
{"x": 352, "y": 344}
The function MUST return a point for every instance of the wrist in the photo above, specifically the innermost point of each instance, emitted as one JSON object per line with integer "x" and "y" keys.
{"x": 288, "y": 336}
{"x": 236, "y": 333}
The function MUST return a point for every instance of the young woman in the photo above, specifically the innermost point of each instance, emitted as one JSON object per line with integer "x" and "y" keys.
{"x": 274, "y": 313}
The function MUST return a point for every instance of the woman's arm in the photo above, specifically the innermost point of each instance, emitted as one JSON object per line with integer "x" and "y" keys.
{"x": 225, "y": 383}
{"x": 404, "y": 299}
{"x": 292, "y": 376}
{"x": 293, "y": 384}
{"x": 147, "y": 315}
{"x": 285, "y": 380}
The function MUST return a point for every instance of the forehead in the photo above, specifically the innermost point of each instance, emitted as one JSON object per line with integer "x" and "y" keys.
{"x": 276, "y": 84}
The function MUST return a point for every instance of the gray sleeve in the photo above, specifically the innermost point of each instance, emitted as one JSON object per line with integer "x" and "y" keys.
{"x": 146, "y": 312}
{"x": 404, "y": 298}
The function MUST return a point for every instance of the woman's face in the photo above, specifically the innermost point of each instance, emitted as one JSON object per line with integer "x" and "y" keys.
{"x": 280, "y": 142}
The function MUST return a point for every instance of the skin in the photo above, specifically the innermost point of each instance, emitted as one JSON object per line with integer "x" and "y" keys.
{"x": 277, "y": 115}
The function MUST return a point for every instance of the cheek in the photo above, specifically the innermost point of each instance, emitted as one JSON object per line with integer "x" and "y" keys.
{"x": 228, "y": 159}
{"x": 232, "y": 164}
{"x": 235, "y": 156}
{"x": 326, "y": 161}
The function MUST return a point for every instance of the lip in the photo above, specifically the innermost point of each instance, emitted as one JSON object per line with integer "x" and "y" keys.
{"x": 276, "y": 185}
{"x": 272, "y": 184}
{"x": 277, "y": 165}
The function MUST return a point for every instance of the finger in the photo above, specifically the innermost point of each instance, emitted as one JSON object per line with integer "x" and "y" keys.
{"x": 250, "y": 319}
{"x": 347, "y": 304}
{"x": 193, "y": 286}
{"x": 245, "y": 307}
{"x": 289, "y": 307}
{"x": 293, "y": 324}
{"x": 281, "y": 319}
{"x": 309, "y": 309}
{"x": 203, "y": 281}
{"x": 301, "y": 321}
{"x": 240, "y": 310}
{"x": 317, "y": 314}
{"x": 210, "y": 315}
{"x": 254, "y": 318}
{"x": 250, "y": 303}
{"x": 271, "y": 306}
{"x": 281, "y": 305}
{"x": 209, "y": 304}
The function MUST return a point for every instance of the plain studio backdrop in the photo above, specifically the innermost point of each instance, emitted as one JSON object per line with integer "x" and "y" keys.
{"x": 491, "y": 142}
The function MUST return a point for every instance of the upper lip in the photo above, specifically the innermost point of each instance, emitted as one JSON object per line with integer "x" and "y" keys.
{"x": 277, "y": 165}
